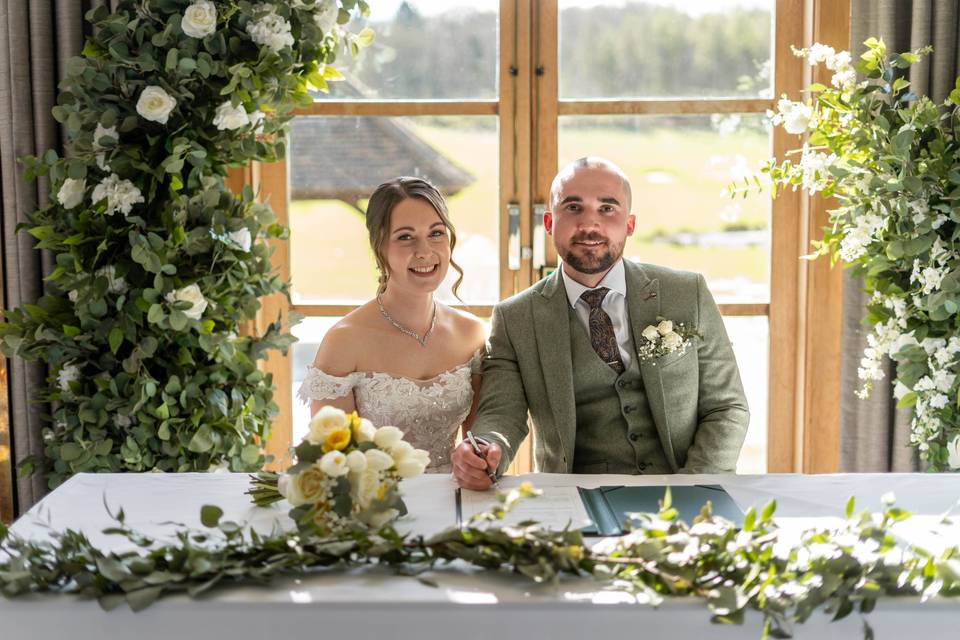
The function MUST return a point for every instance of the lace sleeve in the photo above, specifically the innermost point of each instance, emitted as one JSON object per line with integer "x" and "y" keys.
{"x": 476, "y": 363}
{"x": 323, "y": 386}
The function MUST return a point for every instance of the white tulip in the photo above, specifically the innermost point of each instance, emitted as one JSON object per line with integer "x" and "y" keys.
{"x": 155, "y": 104}
{"x": 356, "y": 461}
{"x": 378, "y": 460}
{"x": 325, "y": 421}
{"x": 366, "y": 432}
{"x": 192, "y": 294}
{"x": 242, "y": 238}
{"x": 410, "y": 468}
{"x": 200, "y": 19}
{"x": 71, "y": 192}
{"x": 387, "y": 437}
{"x": 229, "y": 117}
{"x": 401, "y": 451}
{"x": 334, "y": 464}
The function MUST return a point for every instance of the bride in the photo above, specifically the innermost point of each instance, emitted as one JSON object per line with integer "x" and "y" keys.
{"x": 404, "y": 359}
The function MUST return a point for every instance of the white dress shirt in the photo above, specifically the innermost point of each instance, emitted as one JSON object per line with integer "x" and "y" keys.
{"x": 614, "y": 304}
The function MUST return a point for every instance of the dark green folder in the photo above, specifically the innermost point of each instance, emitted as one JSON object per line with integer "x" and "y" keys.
{"x": 608, "y": 506}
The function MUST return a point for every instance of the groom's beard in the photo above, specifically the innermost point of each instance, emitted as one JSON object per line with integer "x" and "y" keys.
{"x": 585, "y": 261}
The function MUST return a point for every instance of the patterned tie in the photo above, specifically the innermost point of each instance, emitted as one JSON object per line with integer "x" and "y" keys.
{"x": 602, "y": 337}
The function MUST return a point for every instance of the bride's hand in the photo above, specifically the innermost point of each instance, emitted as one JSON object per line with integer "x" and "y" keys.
{"x": 470, "y": 470}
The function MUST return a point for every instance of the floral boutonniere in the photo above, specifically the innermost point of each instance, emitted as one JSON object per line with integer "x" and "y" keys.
{"x": 665, "y": 337}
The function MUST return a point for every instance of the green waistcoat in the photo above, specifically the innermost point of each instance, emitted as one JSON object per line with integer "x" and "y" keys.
{"x": 615, "y": 429}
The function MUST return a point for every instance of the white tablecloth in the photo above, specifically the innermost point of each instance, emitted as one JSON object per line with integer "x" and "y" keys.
{"x": 372, "y": 602}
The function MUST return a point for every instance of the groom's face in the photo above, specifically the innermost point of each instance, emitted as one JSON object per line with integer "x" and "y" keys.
{"x": 590, "y": 220}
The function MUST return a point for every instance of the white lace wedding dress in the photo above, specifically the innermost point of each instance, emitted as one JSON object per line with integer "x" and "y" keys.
{"x": 429, "y": 412}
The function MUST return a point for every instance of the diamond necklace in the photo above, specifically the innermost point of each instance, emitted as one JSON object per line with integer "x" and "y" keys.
{"x": 404, "y": 330}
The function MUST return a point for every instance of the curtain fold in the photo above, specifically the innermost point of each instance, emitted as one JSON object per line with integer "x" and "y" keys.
{"x": 37, "y": 37}
{"x": 874, "y": 434}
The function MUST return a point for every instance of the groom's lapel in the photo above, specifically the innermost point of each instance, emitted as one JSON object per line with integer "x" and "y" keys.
{"x": 551, "y": 319}
{"x": 643, "y": 305}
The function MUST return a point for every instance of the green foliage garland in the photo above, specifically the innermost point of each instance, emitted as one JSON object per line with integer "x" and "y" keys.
{"x": 157, "y": 262}
{"x": 785, "y": 578}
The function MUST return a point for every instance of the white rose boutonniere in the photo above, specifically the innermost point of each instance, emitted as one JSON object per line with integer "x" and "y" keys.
{"x": 663, "y": 338}
{"x": 199, "y": 19}
{"x": 155, "y": 104}
{"x": 193, "y": 295}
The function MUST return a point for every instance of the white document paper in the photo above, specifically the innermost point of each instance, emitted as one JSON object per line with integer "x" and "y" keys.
{"x": 557, "y": 507}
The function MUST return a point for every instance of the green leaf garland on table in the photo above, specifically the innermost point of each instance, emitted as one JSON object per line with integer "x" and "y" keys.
{"x": 786, "y": 578}
{"x": 156, "y": 262}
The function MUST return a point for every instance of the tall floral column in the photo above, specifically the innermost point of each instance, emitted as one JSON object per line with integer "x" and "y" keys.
{"x": 156, "y": 261}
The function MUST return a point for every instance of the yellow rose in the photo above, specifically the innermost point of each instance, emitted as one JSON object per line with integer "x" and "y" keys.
{"x": 310, "y": 484}
{"x": 337, "y": 440}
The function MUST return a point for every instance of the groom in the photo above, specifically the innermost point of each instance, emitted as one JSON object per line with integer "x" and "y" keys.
{"x": 565, "y": 350}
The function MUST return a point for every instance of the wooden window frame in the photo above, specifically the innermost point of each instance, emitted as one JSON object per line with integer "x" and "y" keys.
{"x": 803, "y": 415}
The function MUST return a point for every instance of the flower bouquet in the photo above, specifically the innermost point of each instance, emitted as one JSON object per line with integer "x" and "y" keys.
{"x": 346, "y": 474}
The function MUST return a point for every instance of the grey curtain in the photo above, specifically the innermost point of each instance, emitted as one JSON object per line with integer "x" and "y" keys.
{"x": 37, "y": 37}
{"x": 874, "y": 434}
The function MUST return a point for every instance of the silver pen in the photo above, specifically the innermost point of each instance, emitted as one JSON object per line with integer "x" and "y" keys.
{"x": 476, "y": 449}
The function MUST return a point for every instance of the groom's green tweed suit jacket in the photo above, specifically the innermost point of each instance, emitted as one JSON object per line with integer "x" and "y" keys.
{"x": 696, "y": 399}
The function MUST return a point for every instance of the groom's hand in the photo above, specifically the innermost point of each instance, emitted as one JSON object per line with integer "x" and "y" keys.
{"x": 470, "y": 470}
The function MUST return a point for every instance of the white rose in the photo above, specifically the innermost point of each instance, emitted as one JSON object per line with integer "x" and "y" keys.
{"x": 115, "y": 283}
{"x": 200, "y": 19}
{"x": 651, "y": 333}
{"x": 366, "y": 431}
{"x": 242, "y": 238}
{"x": 953, "y": 449}
{"x": 73, "y": 295}
{"x": 325, "y": 421}
{"x": 364, "y": 489}
{"x": 103, "y": 132}
{"x": 672, "y": 341}
{"x": 71, "y": 192}
{"x": 377, "y": 460}
{"x": 192, "y": 294}
{"x": 230, "y": 117}
{"x": 356, "y": 461}
{"x": 121, "y": 195}
{"x": 155, "y": 104}
{"x": 326, "y": 16}
{"x": 410, "y": 468}
{"x": 665, "y": 327}
{"x": 401, "y": 451}
{"x": 387, "y": 437}
{"x": 380, "y": 518}
{"x": 334, "y": 464}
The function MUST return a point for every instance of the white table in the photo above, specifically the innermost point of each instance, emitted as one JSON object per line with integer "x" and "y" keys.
{"x": 372, "y": 602}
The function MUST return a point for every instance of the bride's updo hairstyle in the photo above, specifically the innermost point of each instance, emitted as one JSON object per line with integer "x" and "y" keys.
{"x": 387, "y": 196}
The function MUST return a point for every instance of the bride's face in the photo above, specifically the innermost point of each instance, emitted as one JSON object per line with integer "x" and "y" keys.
{"x": 418, "y": 248}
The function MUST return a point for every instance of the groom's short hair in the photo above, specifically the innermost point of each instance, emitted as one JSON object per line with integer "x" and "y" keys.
{"x": 588, "y": 162}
